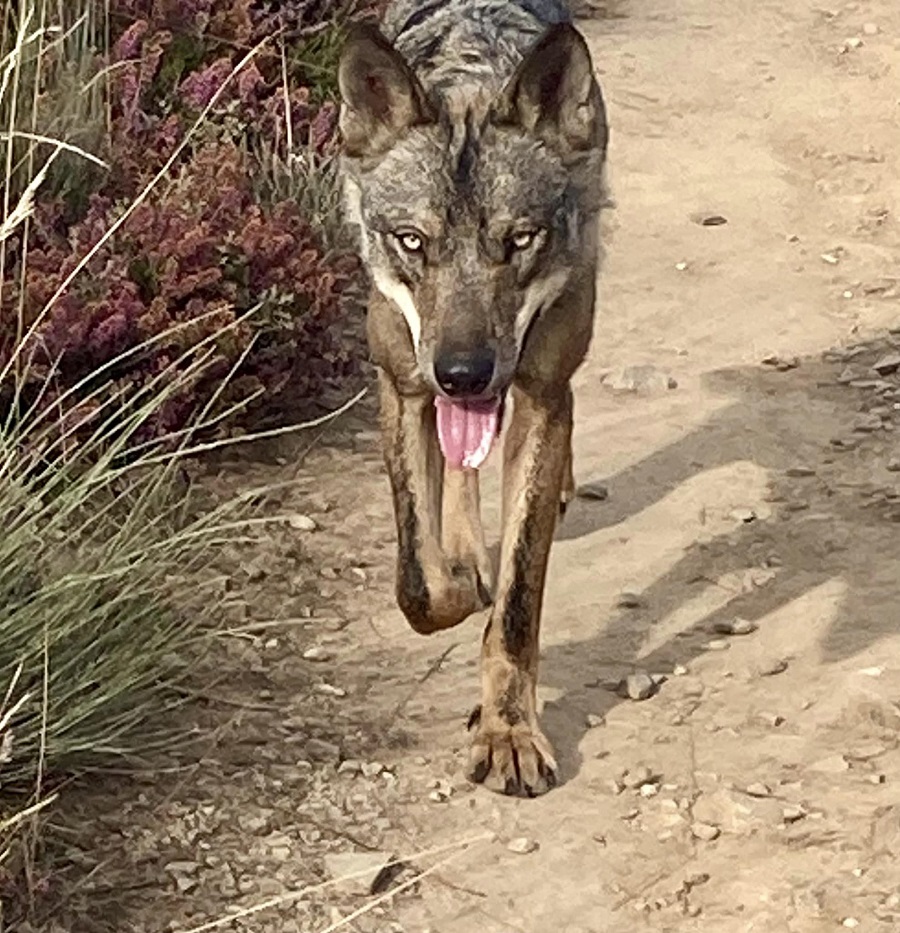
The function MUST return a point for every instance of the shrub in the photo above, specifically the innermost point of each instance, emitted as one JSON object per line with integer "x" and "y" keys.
{"x": 191, "y": 294}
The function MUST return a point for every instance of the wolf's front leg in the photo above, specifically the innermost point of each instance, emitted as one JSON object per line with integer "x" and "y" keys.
{"x": 433, "y": 590}
{"x": 509, "y": 752}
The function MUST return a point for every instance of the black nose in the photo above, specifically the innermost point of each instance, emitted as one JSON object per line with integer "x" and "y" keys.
{"x": 466, "y": 373}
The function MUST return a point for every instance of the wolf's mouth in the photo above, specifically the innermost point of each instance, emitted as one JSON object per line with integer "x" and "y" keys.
{"x": 467, "y": 429}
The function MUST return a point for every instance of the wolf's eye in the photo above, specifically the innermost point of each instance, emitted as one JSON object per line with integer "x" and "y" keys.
{"x": 523, "y": 239}
{"x": 410, "y": 241}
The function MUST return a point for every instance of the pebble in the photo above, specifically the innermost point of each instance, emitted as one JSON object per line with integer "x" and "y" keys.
{"x": 759, "y": 790}
{"x": 770, "y": 719}
{"x": 640, "y": 776}
{"x": 833, "y": 764}
{"x": 793, "y": 814}
{"x": 649, "y": 790}
{"x": 594, "y": 720}
{"x": 717, "y": 644}
{"x": 641, "y": 378}
{"x": 320, "y": 750}
{"x": 867, "y": 424}
{"x": 522, "y": 845}
{"x": 317, "y": 653}
{"x": 894, "y": 464}
{"x": 329, "y": 690}
{"x": 365, "y": 867}
{"x": 596, "y": 492}
{"x": 302, "y": 523}
{"x": 797, "y": 471}
{"x": 679, "y": 670}
{"x": 737, "y": 626}
{"x": 372, "y": 768}
{"x": 350, "y": 766}
{"x": 629, "y": 600}
{"x": 771, "y": 668}
{"x": 705, "y": 832}
{"x": 866, "y": 752}
{"x": 638, "y": 686}
{"x": 887, "y": 364}
{"x": 850, "y": 922}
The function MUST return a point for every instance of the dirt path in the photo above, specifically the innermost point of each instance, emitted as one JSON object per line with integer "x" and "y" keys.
{"x": 756, "y": 791}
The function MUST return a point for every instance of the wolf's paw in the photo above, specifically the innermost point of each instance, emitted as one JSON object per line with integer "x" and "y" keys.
{"x": 515, "y": 760}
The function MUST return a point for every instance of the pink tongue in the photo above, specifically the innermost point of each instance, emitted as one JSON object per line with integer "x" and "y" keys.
{"x": 467, "y": 430}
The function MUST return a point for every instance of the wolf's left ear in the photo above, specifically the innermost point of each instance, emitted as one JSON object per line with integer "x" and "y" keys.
{"x": 381, "y": 97}
{"x": 554, "y": 95}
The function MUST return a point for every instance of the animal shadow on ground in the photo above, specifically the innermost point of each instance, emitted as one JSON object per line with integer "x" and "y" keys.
{"x": 831, "y": 518}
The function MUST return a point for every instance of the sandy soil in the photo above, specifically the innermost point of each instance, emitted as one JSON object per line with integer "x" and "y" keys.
{"x": 757, "y": 789}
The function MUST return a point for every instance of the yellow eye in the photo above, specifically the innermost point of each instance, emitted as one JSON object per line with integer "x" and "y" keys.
{"x": 523, "y": 239}
{"x": 411, "y": 242}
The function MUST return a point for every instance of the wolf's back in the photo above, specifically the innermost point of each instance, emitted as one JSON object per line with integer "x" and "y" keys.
{"x": 450, "y": 44}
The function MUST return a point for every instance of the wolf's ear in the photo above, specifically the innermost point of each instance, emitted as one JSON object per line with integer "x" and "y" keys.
{"x": 553, "y": 93}
{"x": 381, "y": 97}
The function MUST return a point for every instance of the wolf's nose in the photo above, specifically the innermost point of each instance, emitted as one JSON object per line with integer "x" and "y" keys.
{"x": 462, "y": 374}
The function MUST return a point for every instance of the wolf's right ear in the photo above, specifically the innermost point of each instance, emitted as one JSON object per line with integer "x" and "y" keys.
{"x": 380, "y": 95}
{"x": 553, "y": 93}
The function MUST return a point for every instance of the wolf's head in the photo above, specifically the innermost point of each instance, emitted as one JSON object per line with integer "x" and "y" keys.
{"x": 473, "y": 210}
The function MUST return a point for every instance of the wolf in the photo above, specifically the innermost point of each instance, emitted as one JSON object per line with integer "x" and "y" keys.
{"x": 474, "y": 150}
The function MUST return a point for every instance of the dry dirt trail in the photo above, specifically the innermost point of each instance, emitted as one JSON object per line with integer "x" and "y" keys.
{"x": 758, "y": 789}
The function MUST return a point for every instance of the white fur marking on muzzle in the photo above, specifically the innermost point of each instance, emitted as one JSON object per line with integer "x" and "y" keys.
{"x": 402, "y": 297}
{"x": 538, "y": 295}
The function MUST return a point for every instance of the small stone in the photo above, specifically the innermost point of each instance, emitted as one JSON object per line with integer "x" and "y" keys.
{"x": 640, "y": 776}
{"x": 644, "y": 378}
{"x": 773, "y": 720}
{"x": 705, "y": 832}
{"x": 648, "y": 790}
{"x": 372, "y": 769}
{"x": 887, "y": 364}
{"x": 357, "y": 869}
{"x": 866, "y": 752}
{"x": 679, "y": 670}
{"x": 833, "y": 764}
{"x": 717, "y": 644}
{"x": 522, "y": 845}
{"x": 866, "y": 424}
{"x": 182, "y": 867}
{"x": 681, "y": 266}
{"x": 638, "y": 686}
{"x": 745, "y": 516}
{"x": 596, "y": 492}
{"x": 850, "y": 922}
{"x": 773, "y": 667}
{"x": 436, "y": 796}
{"x": 854, "y": 42}
{"x": 320, "y": 750}
{"x": 316, "y": 653}
{"x": 759, "y": 790}
{"x": 793, "y": 814}
{"x": 350, "y": 766}
{"x": 798, "y": 471}
{"x": 894, "y": 465}
{"x": 831, "y": 259}
{"x": 629, "y": 600}
{"x": 302, "y": 523}
{"x": 594, "y": 720}
{"x": 329, "y": 690}
{"x": 736, "y": 626}
{"x": 713, "y": 220}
